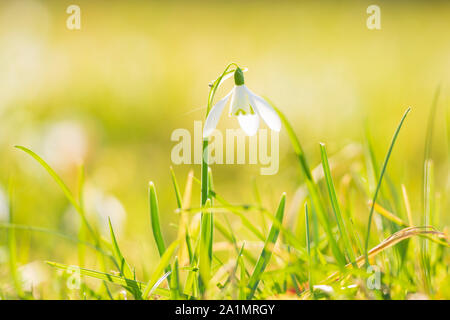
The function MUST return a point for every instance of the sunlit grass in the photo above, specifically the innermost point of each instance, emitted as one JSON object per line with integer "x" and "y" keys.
{"x": 278, "y": 264}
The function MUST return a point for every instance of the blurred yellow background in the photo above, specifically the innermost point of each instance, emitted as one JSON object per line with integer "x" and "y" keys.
{"x": 110, "y": 95}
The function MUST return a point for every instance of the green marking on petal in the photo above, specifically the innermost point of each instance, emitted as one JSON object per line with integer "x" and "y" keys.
{"x": 240, "y": 111}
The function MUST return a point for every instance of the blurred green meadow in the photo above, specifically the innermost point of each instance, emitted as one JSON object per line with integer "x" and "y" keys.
{"x": 109, "y": 96}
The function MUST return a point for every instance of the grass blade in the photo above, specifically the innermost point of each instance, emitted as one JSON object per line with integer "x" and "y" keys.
{"x": 176, "y": 188}
{"x": 162, "y": 265}
{"x": 389, "y": 215}
{"x": 391, "y": 241}
{"x": 243, "y": 275}
{"x": 308, "y": 249}
{"x": 175, "y": 281}
{"x": 123, "y": 266}
{"x": 335, "y": 205}
{"x": 205, "y": 257}
{"x": 266, "y": 253}
{"x": 128, "y": 284}
{"x": 383, "y": 170}
{"x": 427, "y": 220}
{"x": 154, "y": 218}
{"x": 64, "y": 188}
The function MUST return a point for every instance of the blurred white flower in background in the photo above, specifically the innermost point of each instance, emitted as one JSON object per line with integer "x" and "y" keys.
{"x": 4, "y": 215}
{"x": 65, "y": 145}
{"x": 33, "y": 274}
{"x": 99, "y": 207}
{"x": 108, "y": 206}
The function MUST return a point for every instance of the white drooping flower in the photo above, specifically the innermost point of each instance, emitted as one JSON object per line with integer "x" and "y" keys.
{"x": 247, "y": 106}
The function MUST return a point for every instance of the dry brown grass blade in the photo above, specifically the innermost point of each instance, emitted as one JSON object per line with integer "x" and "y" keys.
{"x": 392, "y": 217}
{"x": 401, "y": 235}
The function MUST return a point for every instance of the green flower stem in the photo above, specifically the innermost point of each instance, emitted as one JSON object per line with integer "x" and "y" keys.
{"x": 206, "y": 219}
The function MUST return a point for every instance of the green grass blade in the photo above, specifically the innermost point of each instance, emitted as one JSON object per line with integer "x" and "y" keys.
{"x": 177, "y": 189}
{"x": 54, "y": 175}
{"x": 380, "y": 179}
{"x": 64, "y": 188}
{"x": 427, "y": 221}
{"x": 175, "y": 281}
{"x": 154, "y": 218}
{"x": 335, "y": 205}
{"x": 205, "y": 258}
{"x": 243, "y": 275}
{"x": 211, "y": 217}
{"x": 308, "y": 249}
{"x": 266, "y": 253}
{"x": 123, "y": 266}
{"x": 162, "y": 265}
{"x": 129, "y": 284}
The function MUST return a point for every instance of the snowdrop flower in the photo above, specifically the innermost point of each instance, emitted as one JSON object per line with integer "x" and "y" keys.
{"x": 247, "y": 106}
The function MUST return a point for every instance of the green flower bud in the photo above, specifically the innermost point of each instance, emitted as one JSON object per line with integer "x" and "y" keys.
{"x": 238, "y": 77}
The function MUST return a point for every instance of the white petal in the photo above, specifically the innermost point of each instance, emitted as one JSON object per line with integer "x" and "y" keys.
{"x": 249, "y": 123}
{"x": 214, "y": 116}
{"x": 265, "y": 111}
{"x": 240, "y": 103}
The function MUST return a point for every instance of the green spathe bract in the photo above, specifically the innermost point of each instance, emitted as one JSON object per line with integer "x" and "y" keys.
{"x": 238, "y": 77}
